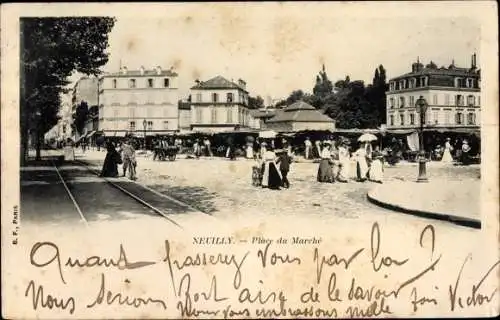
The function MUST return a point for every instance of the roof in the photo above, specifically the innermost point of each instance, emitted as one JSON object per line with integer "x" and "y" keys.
{"x": 184, "y": 105}
{"x": 217, "y": 82}
{"x": 450, "y": 71}
{"x": 137, "y": 73}
{"x": 300, "y": 112}
{"x": 262, "y": 113}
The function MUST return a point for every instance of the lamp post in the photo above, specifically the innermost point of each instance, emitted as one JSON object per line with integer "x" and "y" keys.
{"x": 144, "y": 124}
{"x": 422, "y": 174}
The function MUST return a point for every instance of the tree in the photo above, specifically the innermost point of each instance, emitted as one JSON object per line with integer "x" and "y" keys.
{"x": 81, "y": 116}
{"x": 51, "y": 50}
{"x": 323, "y": 86}
{"x": 255, "y": 103}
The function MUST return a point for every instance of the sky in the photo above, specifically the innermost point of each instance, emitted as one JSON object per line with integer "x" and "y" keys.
{"x": 277, "y": 48}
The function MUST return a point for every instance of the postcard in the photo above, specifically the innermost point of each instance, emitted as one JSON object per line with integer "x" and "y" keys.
{"x": 249, "y": 160}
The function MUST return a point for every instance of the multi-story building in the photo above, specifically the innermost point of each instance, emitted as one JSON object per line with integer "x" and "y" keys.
{"x": 184, "y": 115}
{"x": 219, "y": 105}
{"x": 138, "y": 101}
{"x": 453, "y": 96}
{"x": 84, "y": 90}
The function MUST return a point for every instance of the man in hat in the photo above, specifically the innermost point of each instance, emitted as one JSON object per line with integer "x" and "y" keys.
{"x": 129, "y": 161}
{"x": 284, "y": 161}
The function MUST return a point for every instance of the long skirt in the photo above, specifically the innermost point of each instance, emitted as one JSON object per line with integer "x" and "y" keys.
{"x": 361, "y": 169}
{"x": 110, "y": 166}
{"x": 344, "y": 170}
{"x": 249, "y": 152}
{"x": 325, "y": 172}
{"x": 376, "y": 171}
{"x": 271, "y": 177}
{"x": 447, "y": 158}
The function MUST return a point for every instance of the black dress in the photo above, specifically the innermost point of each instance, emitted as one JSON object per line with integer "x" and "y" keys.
{"x": 110, "y": 166}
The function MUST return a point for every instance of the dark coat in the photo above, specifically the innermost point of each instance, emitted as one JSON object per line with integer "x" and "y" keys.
{"x": 284, "y": 161}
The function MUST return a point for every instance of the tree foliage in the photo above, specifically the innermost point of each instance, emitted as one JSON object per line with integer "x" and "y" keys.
{"x": 323, "y": 86}
{"x": 255, "y": 103}
{"x": 51, "y": 50}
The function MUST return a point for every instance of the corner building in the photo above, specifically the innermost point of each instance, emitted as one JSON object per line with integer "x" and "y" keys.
{"x": 453, "y": 96}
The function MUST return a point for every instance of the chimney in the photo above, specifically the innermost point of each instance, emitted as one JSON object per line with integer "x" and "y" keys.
{"x": 158, "y": 70}
{"x": 197, "y": 81}
{"x": 474, "y": 62}
{"x": 142, "y": 70}
{"x": 124, "y": 70}
{"x": 242, "y": 84}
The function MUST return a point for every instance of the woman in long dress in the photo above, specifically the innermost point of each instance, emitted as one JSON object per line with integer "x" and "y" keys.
{"x": 271, "y": 176}
{"x": 113, "y": 158}
{"x": 344, "y": 163}
{"x": 447, "y": 158}
{"x": 361, "y": 163}
{"x": 325, "y": 172}
{"x": 377, "y": 166}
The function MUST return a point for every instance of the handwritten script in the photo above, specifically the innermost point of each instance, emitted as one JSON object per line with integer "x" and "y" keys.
{"x": 366, "y": 281}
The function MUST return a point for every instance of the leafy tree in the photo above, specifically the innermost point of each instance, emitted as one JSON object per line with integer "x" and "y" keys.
{"x": 255, "y": 103}
{"x": 81, "y": 116}
{"x": 51, "y": 50}
{"x": 323, "y": 86}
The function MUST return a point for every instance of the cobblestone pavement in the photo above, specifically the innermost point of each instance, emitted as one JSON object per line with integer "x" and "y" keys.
{"x": 223, "y": 188}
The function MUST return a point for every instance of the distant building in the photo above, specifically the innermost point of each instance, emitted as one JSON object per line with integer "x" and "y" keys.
{"x": 84, "y": 90}
{"x": 259, "y": 117}
{"x": 135, "y": 101}
{"x": 219, "y": 105}
{"x": 184, "y": 115}
{"x": 453, "y": 95}
{"x": 299, "y": 116}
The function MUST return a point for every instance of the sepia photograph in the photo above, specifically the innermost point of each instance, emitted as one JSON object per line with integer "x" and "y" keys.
{"x": 250, "y": 160}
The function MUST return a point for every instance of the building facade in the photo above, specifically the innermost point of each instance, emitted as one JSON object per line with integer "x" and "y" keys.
{"x": 299, "y": 116}
{"x": 219, "y": 105}
{"x": 184, "y": 115}
{"x": 138, "y": 101}
{"x": 453, "y": 96}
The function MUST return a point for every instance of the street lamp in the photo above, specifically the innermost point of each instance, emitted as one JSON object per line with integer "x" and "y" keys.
{"x": 422, "y": 107}
{"x": 144, "y": 124}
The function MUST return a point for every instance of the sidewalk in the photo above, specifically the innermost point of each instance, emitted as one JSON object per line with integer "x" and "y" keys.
{"x": 454, "y": 201}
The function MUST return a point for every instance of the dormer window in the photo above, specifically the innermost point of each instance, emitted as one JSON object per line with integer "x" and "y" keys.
{"x": 150, "y": 83}
{"x": 131, "y": 83}
{"x": 166, "y": 82}
{"x": 114, "y": 83}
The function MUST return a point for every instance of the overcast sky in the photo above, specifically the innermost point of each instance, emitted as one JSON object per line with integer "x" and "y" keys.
{"x": 277, "y": 48}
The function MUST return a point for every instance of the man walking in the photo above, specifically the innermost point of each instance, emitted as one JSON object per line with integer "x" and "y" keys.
{"x": 284, "y": 161}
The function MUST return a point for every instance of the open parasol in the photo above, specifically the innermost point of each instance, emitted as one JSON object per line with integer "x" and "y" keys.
{"x": 367, "y": 137}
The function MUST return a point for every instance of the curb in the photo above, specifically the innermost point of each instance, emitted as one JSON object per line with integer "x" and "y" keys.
{"x": 462, "y": 221}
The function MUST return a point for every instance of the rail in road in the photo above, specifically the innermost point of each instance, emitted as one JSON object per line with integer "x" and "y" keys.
{"x": 97, "y": 198}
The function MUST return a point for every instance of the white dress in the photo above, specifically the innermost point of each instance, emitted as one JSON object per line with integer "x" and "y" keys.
{"x": 345, "y": 164}
{"x": 376, "y": 169}
{"x": 362, "y": 165}
{"x": 447, "y": 158}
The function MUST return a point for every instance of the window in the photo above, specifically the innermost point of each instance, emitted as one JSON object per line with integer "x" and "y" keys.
{"x": 435, "y": 99}
{"x": 150, "y": 83}
{"x": 471, "y": 100}
{"x": 150, "y": 125}
{"x": 215, "y": 97}
{"x": 402, "y": 119}
{"x": 435, "y": 117}
{"x": 412, "y": 118}
{"x": 116, "y": 112}
{"x": 199, "y": 115}
{"x": 198, "y": 97}
{"x": 479, "y": 100}
{"x": 471, "y": 118}
{"x": 459, "y": 118}
{"x": 165, "y": 125}
{"x": 166, "y": 82}
{"x": 229, "y": 97}
{"x": 131, "y": 83}
{"x": 401, "y": 102}
{"x": 391, "y": 117}
{"x": 469, "y": 83}
{"x": 131, "y": 112}
{"x": 229, "y": 115}
{"x": 114, "y": 83}
{"x": 391, "y": 102}
{"x": 214, "y": 115}
{"x": 459, "y": 100}
{"x": 447, "y": 99}
{"x": 132, "y": 125}
{"x": 447, "y": 116}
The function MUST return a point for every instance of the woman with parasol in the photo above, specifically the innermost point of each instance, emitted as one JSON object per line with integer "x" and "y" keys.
{"x": 363, "y": 155}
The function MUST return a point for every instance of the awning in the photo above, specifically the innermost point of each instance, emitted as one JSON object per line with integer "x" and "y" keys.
{"x": 267, "y": 134}
{"x": 120, "y": 133}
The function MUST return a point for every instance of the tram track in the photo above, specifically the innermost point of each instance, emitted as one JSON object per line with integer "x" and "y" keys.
{"x": 71, "y": 186}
